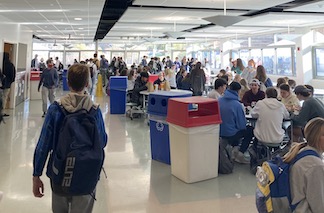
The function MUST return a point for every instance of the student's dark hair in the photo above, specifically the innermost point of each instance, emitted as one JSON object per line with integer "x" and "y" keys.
{"x": 49, "y": 61}
{"x": 305, "y": 94}
{"x": 271, "y": 92}
{"x": 239, "y": 64}
{"x": 225, "y": 77}
{"x": 280, "y": 81}
{"x": 123, "y": 72}
{"x": 311, "y": 88}
{"x": 292, "y": 83}
{"x": 198, "y": 66}
{"x": 219, "y": 83}
{"x": 261, "y": 74}
{"x": 285, "y": 87}
{"x": 78, "y": 76}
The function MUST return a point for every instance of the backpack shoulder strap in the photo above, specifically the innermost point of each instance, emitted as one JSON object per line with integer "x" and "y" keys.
{"x": 303, "y": 154}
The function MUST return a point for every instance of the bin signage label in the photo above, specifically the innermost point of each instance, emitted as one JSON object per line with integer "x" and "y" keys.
{"x": 159, "y": 126}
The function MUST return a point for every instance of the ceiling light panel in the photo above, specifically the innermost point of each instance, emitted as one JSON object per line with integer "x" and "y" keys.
{"x": 283, "y": 20}
{"x": 231, "y": 4}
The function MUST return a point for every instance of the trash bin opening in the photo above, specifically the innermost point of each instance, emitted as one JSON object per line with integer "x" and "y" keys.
{"x": 152, "y": 101}
{"x": 192, "y": 107}
{"x": 163, "y": 102}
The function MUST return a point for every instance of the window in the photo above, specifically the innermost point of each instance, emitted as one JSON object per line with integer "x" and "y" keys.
{"x": 269, "y": 60}
{"x": 256, "y": 55}
{"x": 70, "y": 56}
{"x": 245, "y": 56}
{"x": 319, "y": 61}
{"x": 284, "y": 61}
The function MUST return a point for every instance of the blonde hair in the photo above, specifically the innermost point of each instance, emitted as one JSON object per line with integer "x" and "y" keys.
{"x": 168, "y": 72}
{"x": 237, "y": 78}
{"x": 312, "y": 134}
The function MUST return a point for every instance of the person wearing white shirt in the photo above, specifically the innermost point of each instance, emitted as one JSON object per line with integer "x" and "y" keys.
{"x": 219, "y": 89}
{"x": 270, "y": 114}
{"x": 93, "y": 74}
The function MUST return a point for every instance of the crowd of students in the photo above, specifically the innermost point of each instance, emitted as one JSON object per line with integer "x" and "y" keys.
{"x": 249, "y": 91}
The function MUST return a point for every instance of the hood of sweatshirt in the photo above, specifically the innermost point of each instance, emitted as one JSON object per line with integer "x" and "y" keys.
{"x": 73, "y": 102}
{"x": 231, "y": 94}
{"x": 272, "y": 103}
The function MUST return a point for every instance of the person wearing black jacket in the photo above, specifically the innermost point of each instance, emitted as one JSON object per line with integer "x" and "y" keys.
{"x": 140, "y": 85}
{"x": 9, "y": 71}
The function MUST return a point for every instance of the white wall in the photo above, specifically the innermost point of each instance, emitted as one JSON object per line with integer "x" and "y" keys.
{"x": 15, "y": 33}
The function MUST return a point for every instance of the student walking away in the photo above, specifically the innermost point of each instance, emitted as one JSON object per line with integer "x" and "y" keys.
{"x": 197, "y": 80}
{"x": 49, "y": 80}
{"x": 9, "y": 72}
{"x": 74, "y": 166}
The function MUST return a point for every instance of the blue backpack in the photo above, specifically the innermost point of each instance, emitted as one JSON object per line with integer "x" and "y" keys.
{"x": 273, "y": 187}
{"x": 76, "y": 162}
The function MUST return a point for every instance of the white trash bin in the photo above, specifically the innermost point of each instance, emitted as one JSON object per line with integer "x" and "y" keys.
{"x": 194, "y": 152}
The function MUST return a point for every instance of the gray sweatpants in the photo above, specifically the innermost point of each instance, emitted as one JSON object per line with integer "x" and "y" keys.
{"x": 74, "y": 204}
{"x": 50, "y": 93}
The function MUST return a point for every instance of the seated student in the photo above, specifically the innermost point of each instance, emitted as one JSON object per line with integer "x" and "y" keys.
{"x": 233, "y": 126}
{"x": 254, "y": 94}
{"x": 292, "y": 83}
{"x": 279, "y": 82}
{"x": 131, "y": 80}
{"x": 219, "y": 89}
{"x": 140, "y": 85}
{"x": 312, "y": 108}
{"x": 160, "y": 80}
{"x": 311, "y": 88}
{"x": 306, "y": 175}
{"x": 288, "y": 98}
{"x": 270, "y": 113}
{"x": 244, "y": 89}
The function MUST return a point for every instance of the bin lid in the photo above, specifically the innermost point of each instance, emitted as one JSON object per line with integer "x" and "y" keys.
{"x": 195, "y": 99}
{"x": 171, "y": 93}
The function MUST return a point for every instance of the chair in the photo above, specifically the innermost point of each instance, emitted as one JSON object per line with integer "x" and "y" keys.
{"x": 134, "y": 108}
{"x": 274, "y": 149}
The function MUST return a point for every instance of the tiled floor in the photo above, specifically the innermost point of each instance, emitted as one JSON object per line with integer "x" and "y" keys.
{"x": 135, "y": 182}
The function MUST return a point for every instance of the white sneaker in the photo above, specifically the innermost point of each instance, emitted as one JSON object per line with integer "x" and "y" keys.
{"x": 235, "y": 152}
{"x": 240, "y": 158}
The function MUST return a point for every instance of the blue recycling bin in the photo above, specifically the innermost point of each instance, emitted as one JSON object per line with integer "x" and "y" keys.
{"x": 65, "y": 81}
{"x": 159, "y": 128}
{"x": 118, "y": 89}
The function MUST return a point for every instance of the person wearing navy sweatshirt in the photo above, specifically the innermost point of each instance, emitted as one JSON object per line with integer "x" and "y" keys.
{"x": 233, "y": 126}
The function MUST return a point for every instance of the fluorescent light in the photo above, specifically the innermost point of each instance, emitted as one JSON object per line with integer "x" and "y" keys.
{"x": 80, "y": 28}
{"x": 33, "y": 11}
{"x": 78, "y": 19}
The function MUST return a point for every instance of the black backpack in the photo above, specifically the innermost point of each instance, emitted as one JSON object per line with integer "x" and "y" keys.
{"x": 61, "y": 67}
{"x": 75, "y": 165}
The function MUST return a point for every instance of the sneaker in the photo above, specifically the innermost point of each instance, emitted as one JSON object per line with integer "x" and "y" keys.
{"x": 235, "y": 152}
{"x": 43, "y": 114}
{"x": 5, "y": 115}
{"x": 240, "y": 158}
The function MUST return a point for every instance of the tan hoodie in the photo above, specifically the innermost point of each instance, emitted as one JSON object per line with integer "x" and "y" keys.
{"x": 73, "y": 102}
{"x": 290, "y": 102}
